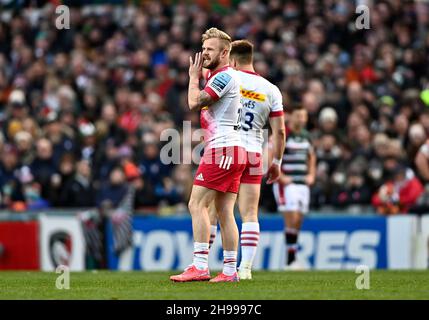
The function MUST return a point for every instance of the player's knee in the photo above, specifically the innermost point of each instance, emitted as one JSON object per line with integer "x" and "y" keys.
{"x": 192, "y": 206}
{"x": 195, "y": 206}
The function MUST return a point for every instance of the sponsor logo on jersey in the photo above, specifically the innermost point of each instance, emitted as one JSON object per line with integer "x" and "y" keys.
{"x": 220, "y": 81}
{"x": 252, "y": 95}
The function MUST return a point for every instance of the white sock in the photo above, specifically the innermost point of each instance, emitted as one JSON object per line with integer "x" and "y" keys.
{"x": 201, "y": 255}
{"x": 213, "y": 231}
{"x": 249, "y": 242}
{"x": 229, "y": 262}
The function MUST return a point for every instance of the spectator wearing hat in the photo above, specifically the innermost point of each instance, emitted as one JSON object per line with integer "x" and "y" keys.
{"x": 17, "y": 105}
{"x": 327, "y": 124}
{"x": 328, "y": 120}
{"x": 145, "y": 196}
{"x": 17, "y": 112}
{"x": 88, "y": 140}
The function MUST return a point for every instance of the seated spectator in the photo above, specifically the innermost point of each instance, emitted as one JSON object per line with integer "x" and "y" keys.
{"x": 88, "y": 141}
{"x": 32, "y": 191}
{"x": 354, "y": 192}
{"x": 24, "y": 144}
{"x": 328, "y": 152}
{"x": 78, "y": 192}
{"x": 328, "y": 121}
{"x": 168, "y": 191}
{"x": 107, "y": 126}
{"x": 43, "y": 165}
{"x": 111, "y": 194}
{"x": 61, "y": 143}
{"x": 145, "y": 196}
{"x": 399, "y": 193}
{"x": 60, "y": 180}
{"x": 151, "y": 165}
{"x": 10, "y": 186}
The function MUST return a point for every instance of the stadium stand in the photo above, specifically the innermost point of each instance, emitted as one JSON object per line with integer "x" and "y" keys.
{"x": 82, "y": 109}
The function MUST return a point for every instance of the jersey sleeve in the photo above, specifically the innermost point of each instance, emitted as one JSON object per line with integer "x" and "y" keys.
{"x": 219, "y": 85}
{"x": 276, "y": 106}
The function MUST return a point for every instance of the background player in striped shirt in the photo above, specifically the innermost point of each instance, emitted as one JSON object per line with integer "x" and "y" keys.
{"x": 262, "y": 103}
{"x": 218, "y": 176}
{"x": 292, "y": 191}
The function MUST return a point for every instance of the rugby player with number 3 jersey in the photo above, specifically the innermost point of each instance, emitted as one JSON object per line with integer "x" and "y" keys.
{"x": 262, "y": 103}
{"x": 217, "y": 179}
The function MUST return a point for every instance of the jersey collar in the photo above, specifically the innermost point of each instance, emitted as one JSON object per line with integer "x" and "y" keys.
{"x": 210, "y": 75}
{"x": 249, "y": 72}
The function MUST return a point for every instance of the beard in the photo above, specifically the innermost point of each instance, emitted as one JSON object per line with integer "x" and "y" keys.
{"x": 212, "y": 64}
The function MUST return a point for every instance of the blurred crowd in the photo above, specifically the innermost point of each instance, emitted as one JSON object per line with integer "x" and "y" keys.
{"x": 82, "y": 109}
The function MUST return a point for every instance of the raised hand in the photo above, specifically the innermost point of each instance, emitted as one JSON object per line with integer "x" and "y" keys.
{"x": 196, "y": 66}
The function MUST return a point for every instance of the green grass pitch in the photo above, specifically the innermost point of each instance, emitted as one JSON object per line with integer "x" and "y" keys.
{"x": 264, "y": 286}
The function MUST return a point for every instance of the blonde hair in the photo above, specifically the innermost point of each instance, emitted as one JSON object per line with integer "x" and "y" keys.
{"x": 218, "y": 34}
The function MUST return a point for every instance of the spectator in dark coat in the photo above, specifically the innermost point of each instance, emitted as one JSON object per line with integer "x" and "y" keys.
{"x": 43, "y": 166}
{"x": 61, "y": 143}
{"x": 79, "y": 192}
{"x": 10, "y": 186}
{"x": 151, "y": 166}
{"x": 111, "y": 194}
{"x": 61, "y": 179}
{"x": 354, "y": 192}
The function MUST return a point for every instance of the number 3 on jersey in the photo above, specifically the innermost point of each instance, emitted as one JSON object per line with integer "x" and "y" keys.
{"x": 247, "y": 121}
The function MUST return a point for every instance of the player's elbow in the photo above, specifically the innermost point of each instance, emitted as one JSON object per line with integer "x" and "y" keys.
{"x": 280, "y": 134}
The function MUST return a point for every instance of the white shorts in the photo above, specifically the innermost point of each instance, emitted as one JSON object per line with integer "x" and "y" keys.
{"x": 292, "y": 197}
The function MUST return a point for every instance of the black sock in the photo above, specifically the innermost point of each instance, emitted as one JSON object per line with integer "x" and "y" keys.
{"x": 291, "y": 245}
